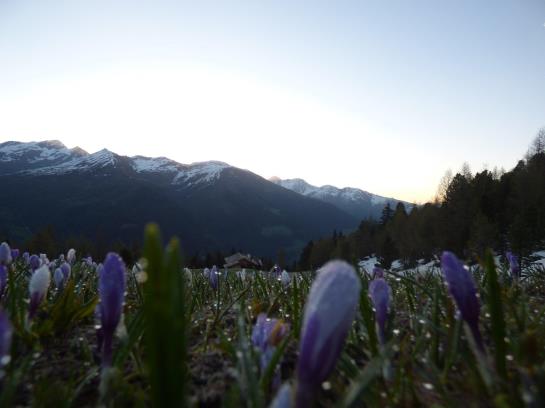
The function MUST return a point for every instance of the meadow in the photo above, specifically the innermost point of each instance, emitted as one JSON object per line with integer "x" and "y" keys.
{"x": 76, "y": 333}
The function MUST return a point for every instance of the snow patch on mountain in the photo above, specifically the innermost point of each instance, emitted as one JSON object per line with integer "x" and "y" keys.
{"x": 201, "y": 172}
{"x": 100, "y": 159}
{"x": 348, "y": 193}
{"x": 143, "y": 164}
{"x": 49, "y": 150}
{"x": 52, "y": 157}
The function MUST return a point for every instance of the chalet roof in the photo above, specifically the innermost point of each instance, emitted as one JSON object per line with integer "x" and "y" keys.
{"x": 241, "y": 260}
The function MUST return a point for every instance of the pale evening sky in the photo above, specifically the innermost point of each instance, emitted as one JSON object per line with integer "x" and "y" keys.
{"x": 384, "y": 96}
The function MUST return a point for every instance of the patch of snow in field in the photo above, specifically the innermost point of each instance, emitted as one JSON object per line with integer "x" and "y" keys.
{"x": 541, "y": 256}
{"x": 431, "y": 266}
{"x": 368, "y": 264}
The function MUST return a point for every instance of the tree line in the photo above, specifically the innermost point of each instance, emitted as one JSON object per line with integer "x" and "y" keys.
{"x": 471, "y": 212}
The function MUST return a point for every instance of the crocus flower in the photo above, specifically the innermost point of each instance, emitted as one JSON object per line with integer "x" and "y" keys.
{"x": 14, "y": 254}
{"x": 214, "y": 277}
{"x": 378, "y": 272}
{"x": 285, "y": 278}
{"x": 462, "y": 289}
{"x": 44, "y": 259}
{"x": 329, "y": 312}
{"x": 379, "y": 292}
{"x": 206, "y": 273}
{"x": 6, "y": 331}
{"x": 513, "y": 264}
{"x": 71, "y": 256}
{"x": 266, "y": 335}
{"x": 58, "y": 278}
{"x": 38, "y": 285}
{"x": 26, "y": 258}
{"x": 5, "y": 254}
{"x": 66, "y": 270}
{"x": 35, "y": 262}
{"x": 111, "y": 289}
{"x": 3, "y": 279}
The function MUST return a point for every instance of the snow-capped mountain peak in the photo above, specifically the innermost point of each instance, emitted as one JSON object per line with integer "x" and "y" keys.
{"x": 52, "y": 157}
{"x": 354, "y": 201}
{"x": 201, "y": 172}
{"x": 33, "y": 152}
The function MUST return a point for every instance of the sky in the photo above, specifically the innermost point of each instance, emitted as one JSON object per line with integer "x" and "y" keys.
{"x": 382, "y": 96}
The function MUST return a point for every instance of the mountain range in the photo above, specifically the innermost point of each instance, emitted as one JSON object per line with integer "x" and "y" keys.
{"x": 209, "y": 205}
{"x": 358, "y": 203}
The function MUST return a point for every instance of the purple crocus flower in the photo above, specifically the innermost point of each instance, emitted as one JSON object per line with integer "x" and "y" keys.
{"x": 6, "y": 331}
{"x": 38, "y": 285}
{"x": 329, "y": 312}
{"x": 66, "y": 270}
{"x": 34, "y": 262}
{"x": 44, "y": 259}
{"x": 111, "y": 289}
{"x": 71, "y": 256}
{"x": 214, "y": 277}
{"x": 15, "y": 254}
{"x": 266, "y": 335}
{"x": 514, "y": 265}
{"x": 26, "y": 258}
{"x": 3, "y": 279}
{"x": 58, "y": 278}
{"x": 462, "y": 289}
{"x": 379, "y": 292}
{"x": 378, "y": 272}
{"x": 5, "y": 254}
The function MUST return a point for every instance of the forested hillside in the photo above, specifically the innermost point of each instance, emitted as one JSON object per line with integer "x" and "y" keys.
{"x": 472, "y": 212}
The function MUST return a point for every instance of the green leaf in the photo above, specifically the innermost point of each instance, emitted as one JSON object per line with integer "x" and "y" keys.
{"x": 372, "y": 370}
{"x": 495, "y": 305}
{"x": 165, "y": 321}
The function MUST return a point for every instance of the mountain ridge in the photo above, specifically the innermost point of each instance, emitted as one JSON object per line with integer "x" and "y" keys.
{"x": 209, "y": 205}
{"x": 356, "y": 202}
